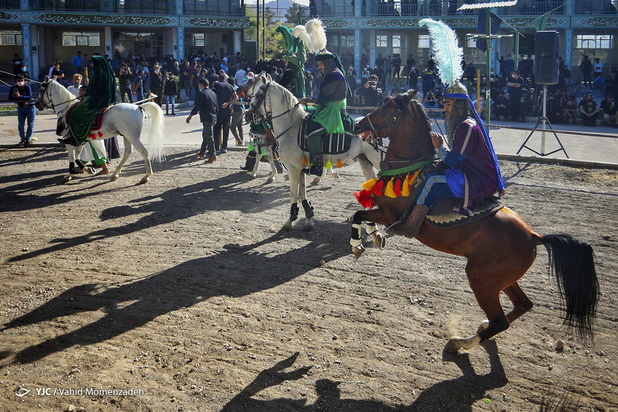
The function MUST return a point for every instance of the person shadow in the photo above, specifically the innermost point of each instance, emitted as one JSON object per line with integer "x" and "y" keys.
{"x": 236, "y": 271}
{"x": 457, "y": 394}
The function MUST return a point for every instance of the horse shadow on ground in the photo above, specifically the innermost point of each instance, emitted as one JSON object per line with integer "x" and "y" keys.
{"x": 224, "y": 193}
{"x": 20, "y": 192}
{"x": 457, "y": 394}
{"x": 235, "y": 271}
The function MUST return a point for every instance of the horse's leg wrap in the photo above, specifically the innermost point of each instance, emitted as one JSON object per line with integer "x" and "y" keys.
{"x": 371, "y": 228}
{"x": 72, "y": 168}
{"x": 79, "y": 164}
{"x": 294, "y": 212}
{"x": 355, "y": 237}
{"x": 308, "y": 209}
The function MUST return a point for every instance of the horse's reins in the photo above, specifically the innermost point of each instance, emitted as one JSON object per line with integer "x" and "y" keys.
{"x": 266, "y": 117}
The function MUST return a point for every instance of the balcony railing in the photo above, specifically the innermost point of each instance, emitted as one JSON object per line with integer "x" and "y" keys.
{"x": 213, "y": 8}
{"x": 119, "y": 6}
{"x": 9, "y": 4}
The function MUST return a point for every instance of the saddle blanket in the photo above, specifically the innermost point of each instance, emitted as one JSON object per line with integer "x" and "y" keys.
{"x": 444, "y": 214}
{"x": 332, "y": 143}
{"x": 97, "y": 121}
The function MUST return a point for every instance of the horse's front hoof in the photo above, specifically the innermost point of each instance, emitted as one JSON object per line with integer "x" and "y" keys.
{"x": 316, "y": 180}
{"x": 144, "y": 180}
{"x": 67, "y": 179}
{"x": 309, "y": 225}
{"x": 453, "y": 345}
{"x": 335, "y": 175}
{"x": 358, "y": 251}
{"x": 270, "y": 179}
{"x": 379, "y": 240}
{"x": 114, "y": 177}
{"x": 484, "y": 325}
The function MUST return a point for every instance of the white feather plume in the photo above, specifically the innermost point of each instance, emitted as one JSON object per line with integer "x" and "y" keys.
{"x": 312, "y": 34}
{"x": 447, "y": 53}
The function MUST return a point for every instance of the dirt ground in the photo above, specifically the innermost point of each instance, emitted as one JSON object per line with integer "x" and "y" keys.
{"x": 184, "y": 294}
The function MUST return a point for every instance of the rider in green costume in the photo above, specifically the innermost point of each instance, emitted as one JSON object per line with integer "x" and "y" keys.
{"x": 101, "y": 94}
{"x": 328, "y": 117}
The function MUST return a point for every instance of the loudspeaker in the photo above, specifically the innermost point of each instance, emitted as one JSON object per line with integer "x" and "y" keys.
{"x": 547, "y": 50}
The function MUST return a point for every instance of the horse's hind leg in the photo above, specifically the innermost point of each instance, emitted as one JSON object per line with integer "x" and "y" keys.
{"x": 256, "y": 166}
{"x": 521, "y": 303}
{"x": 144, "y": 152}
{"x": 128, "y": 149}
{"x": 271, "y": 160}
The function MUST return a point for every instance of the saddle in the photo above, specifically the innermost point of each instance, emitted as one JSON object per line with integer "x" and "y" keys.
{"x": 444, "y": 212}
{"x": 92, "y": 125}
{"x": 332, "y": 143}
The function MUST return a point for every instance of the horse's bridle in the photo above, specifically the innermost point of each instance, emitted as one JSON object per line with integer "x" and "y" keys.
{"x": 267, "y": 117}
{"x": 377, "y": 141}
{"x": 41, "y": 106}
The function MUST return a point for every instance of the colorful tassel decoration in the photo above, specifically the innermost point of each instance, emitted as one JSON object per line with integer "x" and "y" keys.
{"x": 304, "y": 160}
{"x": 250, "y": 146}
{"x": 369, "y": 184}
{"x": 397, "y": 188}
{"x": 263, "y": 152}
{"x": 377, "y": 189}
{"x": 389, "y": 192}
{"x": 365, "y": 198}
{"x": 339, "y": 164}
{"x": 405, "y": 190}
{"x": 329, "y": 165}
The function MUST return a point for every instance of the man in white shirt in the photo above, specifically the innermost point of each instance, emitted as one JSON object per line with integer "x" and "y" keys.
{"x": 240, "y": 76}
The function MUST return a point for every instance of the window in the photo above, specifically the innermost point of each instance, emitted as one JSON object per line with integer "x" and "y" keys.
{"x": 81, "y": 39}
{"x": 592, "y": 41}
{"x": 471, "y": 42}
{"x": 10, "y": 38}
{"x": 198, "y": 40}
{"x": 423, "y": 41}
{"x": 381, "y": 40}
{"x": 396, "y": 44}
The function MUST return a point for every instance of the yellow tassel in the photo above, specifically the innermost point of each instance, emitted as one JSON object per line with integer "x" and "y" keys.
{"x": 369, "y": 184}
{"x": 304, "y": 160}
{"x": 339, "y": 164}
{"x": 390, "y": 191}
{"x": 405, "y": 187}
{"x": 329, "y": 165}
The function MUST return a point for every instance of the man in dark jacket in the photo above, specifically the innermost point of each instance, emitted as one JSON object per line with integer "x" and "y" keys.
{"x": 225, "y": 97}
{"x": 206, "y": 105}
{"x": 21, "y": 94}
{"x": 156, "y": 84}
{"x": 170, "y": 91}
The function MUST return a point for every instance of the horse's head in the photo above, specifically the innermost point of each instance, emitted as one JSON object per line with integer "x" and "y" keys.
{"x": 43, "y": 101}
{"x": 400, "y": 119}
{"x": 256, "y": 93}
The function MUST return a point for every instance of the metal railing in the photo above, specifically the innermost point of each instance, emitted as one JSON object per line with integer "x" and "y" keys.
{"x": 9, "y": 4}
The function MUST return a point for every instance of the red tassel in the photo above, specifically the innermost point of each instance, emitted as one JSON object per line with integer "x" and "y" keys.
{"x": 397, "y": 188}
{"x": 377, "y": 189}
{"x": 365, "y": 198}
{"x": 100, "y": 134}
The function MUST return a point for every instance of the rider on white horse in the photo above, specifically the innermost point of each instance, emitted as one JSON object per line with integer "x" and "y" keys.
{"x": 100, "y": 95}
{"x": 330, "y": 113}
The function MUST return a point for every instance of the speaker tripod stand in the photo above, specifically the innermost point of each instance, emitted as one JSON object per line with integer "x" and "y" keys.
{"x": 543, "y": 120}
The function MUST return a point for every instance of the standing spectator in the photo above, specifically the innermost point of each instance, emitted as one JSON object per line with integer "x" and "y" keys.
{"x": 501, "y": 106}
{"x": 185, "y": 79}
{"x": 156, "y": 84}
{"x": 351, "y": 79}
{"x": 608, "y": 105}
{"x": 564, "y": 77}
{"x": 225, "y": 97}
{"x": 17, "y": 63}
{"x": 309, "y": 84}
{"x": 76, "y": 61}
{"x": 124, "y": 82}
{"x": 586, "y": 68}
{"x": 598, "y": 67}
{"x": 409, "y": 63}
{"x": 24, "y": 72}
{"x": 138, "y": 88}
{"x": 589, "y": 110}
{"x": 240, "y": 75}
{"x": 413, "y": 77}
{"x": 238, "y": 111}
{"x": 21, "y": 94}
{"x": 170, "y": 91}
{"x": 50, "y": 69}
{"x": 427, "y": 79}
{"x": 77, "y": 84}
{"x": 379, "y": 60}
{"x": 396, "y": 65}
{"x": 509, "y": 65}
{"x": 515, "y": 85}
{"x": 206, "y": 106}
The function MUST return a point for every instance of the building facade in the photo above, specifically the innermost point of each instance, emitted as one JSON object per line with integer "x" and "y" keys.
{"x": 365, "y": 29}
{"x": 43, "y": 30}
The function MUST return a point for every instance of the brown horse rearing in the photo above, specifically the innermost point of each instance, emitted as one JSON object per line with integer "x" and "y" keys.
{"x": 499, "y": 247}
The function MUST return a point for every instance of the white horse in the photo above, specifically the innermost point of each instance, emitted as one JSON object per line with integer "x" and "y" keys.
{"x": 120, "y": 119}
{"x": 275, "y": 103}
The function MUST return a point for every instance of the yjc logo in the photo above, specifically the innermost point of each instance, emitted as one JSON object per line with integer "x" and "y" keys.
{"x": 21, "y": 392}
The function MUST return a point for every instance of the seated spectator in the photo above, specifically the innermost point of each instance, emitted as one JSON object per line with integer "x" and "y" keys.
{"x": 479, "y": 105}
{"x": 501, "y": 106}
{"x": 530, "y": 103}
{"x": 555, "y": 111}
{"x": 570, "y": 107}
{"x": 429, "y": 99}
{"x": 599, "y": 82}
{"x": 589, "y": 110}
{"x": 608, "y": 105}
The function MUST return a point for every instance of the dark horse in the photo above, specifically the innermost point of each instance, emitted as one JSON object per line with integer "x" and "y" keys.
{"x": 499, "y": 247}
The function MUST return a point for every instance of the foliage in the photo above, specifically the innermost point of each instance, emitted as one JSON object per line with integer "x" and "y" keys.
{"x": 274, "y": 42}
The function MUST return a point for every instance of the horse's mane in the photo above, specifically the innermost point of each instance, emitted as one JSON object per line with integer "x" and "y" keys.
{"x": 62, "y": 90}
{"x": 288, "y": 94}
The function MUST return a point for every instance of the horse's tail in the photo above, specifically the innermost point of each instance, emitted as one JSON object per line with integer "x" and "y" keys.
{"x": 156, "y": 134}
{"x": 572, "y": 263}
